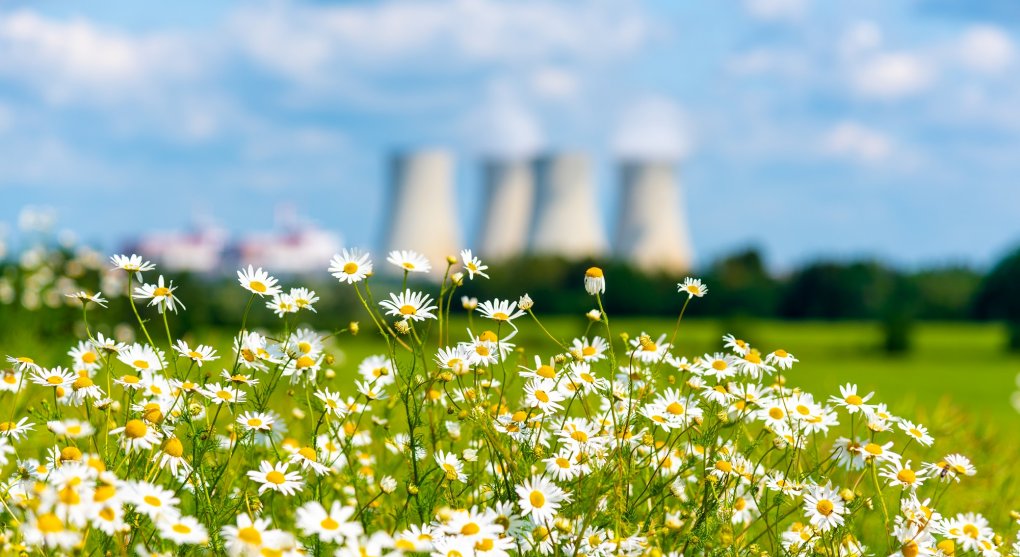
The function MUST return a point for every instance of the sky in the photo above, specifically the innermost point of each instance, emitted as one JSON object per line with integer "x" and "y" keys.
{"x": 805, "y": 128}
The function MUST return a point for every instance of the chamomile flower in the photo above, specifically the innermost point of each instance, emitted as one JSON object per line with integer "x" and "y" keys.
{"x": 154, "y": 501}
{"x": 55, "y": 377}
{"x": 329, "y": 526}
{"x": 199, "y": 354}
{"x": 132, "y": 264}
{"x": 142, "y": 358}
{"x": 451, "y": 466}
{"x": 469, "y": 303}
{"x": 85, "y": 356}
{"x": 824, "y": 508}
{"x": 472, "y": 264}
{"x": 901, "y": 474}
{"x": 137, "y": 435}
{"x": 409, "y": 261}
{"x": 540, "y": 499}
{"x": 69, "y": 427}
{"x": 308, "y": 459}
{"x": 410, "y": 305}
{"x": 255, "y": 421}
{"x": 951, "y": 467}
{"x": 85, "y": 297}
{"x": 594, "y": 281}
{"x": 15, "y": 430}
{"x": 171, "y": 454}
{"x": 693, "y": 287}
{"x": 781, "y": 358}
{"x": 917, "y": 432}
{"x": 351, "y": 266}
{"x": 276, "y": 477}
{"x": 850, "y": 400}
{"x": 304, "y": 298}
{"x": 160, "y": 295}
{"x": 23, "y": 363}
{"x": 220, "y": 394}
{"x": 542, "y": 394}
{"x": 257, "y": 281}
{"x": 500, "y": 310}
{"x": 282, "y": 304}
{"x": 183, "y": 530}
{"x": 248, "y": 536}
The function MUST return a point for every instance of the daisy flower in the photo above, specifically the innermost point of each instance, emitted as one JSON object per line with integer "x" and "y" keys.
{"x": 409, "y": 261}
{"x": 255, "y": 421}
{"x": 824, "y": 507}
{"x": 142, "y": 358}
{"x": 220, "y": 394}
{"x": 171, "y": 454}
{"x": 901, "y": 474}
{"x": 275, "y": 477}
{"x": 693, "y": 287}
{"x": 593, "y": 351}
{"x": 200, "y": 354}
{"x": 70, "y": 428}
{"x": 331, "y": 402}
{"x": 472, "y": 264}
{"x": 85, "y": 356}
{"x": 154, "y": 501}
{"x": 409, "y": 305}
{"x": 351, "y": 266}
{"x": 329, "y": 526}
{"x": 304, "y": 298}
{"x": 916, "y": 432}
{"x": 951, "y": 467}
{"x": 451, "y": 466}
{"x": 23, "y": 363}
{"x": 308, "y": 459}
{"x": 257, "y": 281}
{"x": 160, "y": 295}
{"x": 55, "y": 377}
{"x": 500, "y": 310}
{"x": 15, "y": 430}
{"x": 540, "y": 499}
{"x": 781, "y": 358}
{"x": 132, "y": 264}
{"x": 137, "y": 435}
{"x": 10, "y": 380}
{"x": 594, "y": 281}
{"x": 85, "y": 297}
{"x": 250, "y": 536}
{"x": 282, "y": 304}
{"x": 183, "y": 530}
{"x": 542, "y": 394}
{"x": 469, "y": 303}
{"x": 850, "y": 400}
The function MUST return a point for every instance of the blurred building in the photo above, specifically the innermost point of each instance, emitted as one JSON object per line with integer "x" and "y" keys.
{"x": 651, "y": 230}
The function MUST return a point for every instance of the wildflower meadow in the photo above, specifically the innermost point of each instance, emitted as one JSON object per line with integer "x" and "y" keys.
{"x": 458, "y": 440}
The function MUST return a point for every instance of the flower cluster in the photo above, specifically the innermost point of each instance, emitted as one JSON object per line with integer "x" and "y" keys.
{"x": 455, "y": 445}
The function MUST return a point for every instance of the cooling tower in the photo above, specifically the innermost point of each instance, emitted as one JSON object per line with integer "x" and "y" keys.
{"x": 423, "y": 214}
{"x": 509, "y": 193}
{"x": 652, "y": 228}
{"x": 566, "y": 220}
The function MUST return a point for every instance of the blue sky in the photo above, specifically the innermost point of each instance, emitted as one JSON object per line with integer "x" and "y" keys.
{"x": 806, "y": 128}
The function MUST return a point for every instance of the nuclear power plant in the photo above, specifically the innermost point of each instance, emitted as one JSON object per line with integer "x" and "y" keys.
{"x": 547, "y": 205}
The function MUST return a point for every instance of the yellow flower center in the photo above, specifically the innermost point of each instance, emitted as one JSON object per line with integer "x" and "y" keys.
{"x": 350, "y": 267}
{"x": 329, "y": 524}
{"x": 258, "y": 286}
{"x": 537, "y": 499}
{"x": 906, "y": 476}
{"x": 824, "y": 507}
{"x": 407, "y": 309}
{"x": 54, "y": 380}
{"x": 135, "y": 429}
{"x": 542, "y": 396}
{"x": 276, "y": 477}
{"x": 719, "y": 365}
{"x": 49, "y": 524}
{"x": 854, "y": 400}
{"x": 249, "y": 535}
{"x": 776, "y": 413}
{"x": 130, "y": 379}
{"x": 470, "y": 529}
{"x": 873, "y": 449}
{"x": 173, "y": 447}
{"x": 181, "y": 528}
{"x": 304, "y": 362}
{"x": 161, "y": 291}
{"x": 140, "y": 364}
{"x": 152, "y": 501}
{"x": 89, "y": 357}
{"x": 593, "y": 272}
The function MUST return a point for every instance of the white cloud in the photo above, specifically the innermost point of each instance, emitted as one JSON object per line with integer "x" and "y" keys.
{"x": 776, "y": 9}
{"x": 555, "y": 83}
{"x": 985, "y": 48}
{"x": 892, "y": 75}
{"x": 863, "y": 36}
{"x": 312, "y": 44}
{"x": 858, "y": 143}
{"x": 504, "y": 125}
{"x": 653, "y": 127}
{"x": 68, "y": 60}
{"x": 762, "y": 61}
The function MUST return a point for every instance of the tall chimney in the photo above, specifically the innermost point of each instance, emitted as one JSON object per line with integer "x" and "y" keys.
{"x": 509, "y": 195}
{"x": 652, "y": 227}
{"x": 566, "y": 220}
{"x": 424, "y": 216}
